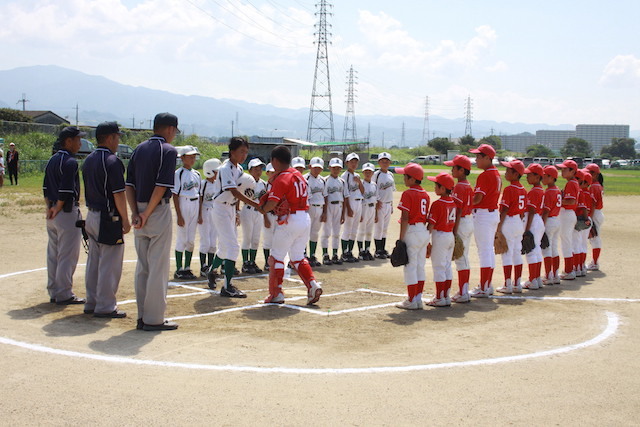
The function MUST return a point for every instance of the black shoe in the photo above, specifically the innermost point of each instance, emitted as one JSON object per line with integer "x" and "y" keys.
{"x": 266, "y": 268}
{"x": 204, "y": 270}
{"x": 165, "y": 326}
{"x": 326, "y": 260}
{"x": 140, "y": 325}
{"x": 188, "y": 275}
{"x": 386, "y": 254}
{"x": 232, "y": 292}
{"x": 212, "y": 276}
{"x": 336, "y": 260}
{"x": 115, "y": 314}
{"x": 179, "y": 275}
{"x": 348, "y": 257}
{"x": 72, "y": 301}
{"x": 353, "y": 258}
{"x": 88, "y": 311}
{"x": 256, "y": 269}
{"x": 246, "y": 268}
{"x": 313, "y": 262}
{"x": 368, "y": 256}
{"x": 52, "y": 300}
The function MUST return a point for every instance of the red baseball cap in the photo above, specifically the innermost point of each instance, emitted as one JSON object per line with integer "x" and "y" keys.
{"x": 414, "y": 170}
{"x": 551, "y": 171}
{"x": 586, "y": 176}
{"x": 460, "y": 160}
{"x": 592, "y": 167}
{"x": 485, "y": 149}
{"x": 443, "y": 179}
{"x": 517, "y": 165}
{"x": 568, "y": 164}
{"x": 579, "y": 174}
{"x": 534, "y": 168}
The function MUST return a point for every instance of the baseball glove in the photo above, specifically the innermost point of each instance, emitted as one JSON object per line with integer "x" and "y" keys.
{"x": 399, "y": 254}
{"x": 528, "y": 242}
{"x": 500, "y": 243}
{"x": 593, "y": 232}
{"x": 458, "y": 248}
{"x": 544, "y": 243}
{"x": 583, "y": 223}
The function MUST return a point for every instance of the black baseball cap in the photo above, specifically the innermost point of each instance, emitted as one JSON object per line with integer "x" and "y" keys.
{"x": 165, "y": 119}
{"x": 70, "y": 132}
{"x": 108, "y": 128}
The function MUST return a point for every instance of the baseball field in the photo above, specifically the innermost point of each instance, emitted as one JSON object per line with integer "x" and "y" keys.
{"x": 563, "y": 355}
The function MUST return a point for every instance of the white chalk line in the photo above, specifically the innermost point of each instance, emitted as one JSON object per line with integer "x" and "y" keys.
{"x": 613, "y": 322}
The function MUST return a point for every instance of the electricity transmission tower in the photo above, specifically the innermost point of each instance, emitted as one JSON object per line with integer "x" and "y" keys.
{"x": 425, "y": 127}
{"x": 402, "y": 136}
{"x": 350, "y": 132}
{"x": 468, "y": 115}
{"x": 320, "y": 114}
{"x": 23, "y": 101}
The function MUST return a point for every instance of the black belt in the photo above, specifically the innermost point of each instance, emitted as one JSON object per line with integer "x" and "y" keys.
{"x": 357, "y": 200}
{"x": 335, "y": 202}
{"x": 164, "y": 201}
{"x": 371, "y": 205}
{"x": 94, "y": 209}
{"x": 193, "y": 199}
{"x": 476, "y": 210}
{"x": 250, "y": 207}
{"x": 52, "y": 204}
{"x": 317, "y": 205}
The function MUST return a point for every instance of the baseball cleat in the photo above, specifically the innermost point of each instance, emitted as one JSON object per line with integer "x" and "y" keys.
{"x": 313, "y": 261}
{"x": 246, "y": 268}
{"x": 380, "y": 255}
{"x": 231, "y": 291}
{"x": 580, "y": 272}
{"x": 336, "y": 260}
{"x": 507, "y": 288}
{"x": 256, "y": 269}
{"x": 439, "y": 302}
{"x": 567, "y": 276}
{"x": 326, "y": 260}
{"x": 188, "y": 275}
{"x": 266, "y": 268}
{"x": 478, "y": 292}
{"x": 461, "y": 298}
{"x": 409, "y": 305}
{"x": 314, "y": 294}
{"x": 204, "y": 270}
{"x": 517, "y": 288}
{"x": 531, "y": 284}
{"x": 593, "y": 267}
{"x": 212, "y": 276}
{"x": 278, "y": 299}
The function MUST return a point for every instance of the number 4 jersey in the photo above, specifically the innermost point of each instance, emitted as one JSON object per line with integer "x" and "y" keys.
{"x": 443, "y": 214}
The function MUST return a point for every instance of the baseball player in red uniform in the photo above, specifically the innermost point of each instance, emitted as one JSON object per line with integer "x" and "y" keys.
{"x": 512, "y": 206}
{"x": 597, "y": 217}
{"x": 414, "y": 205}
{"x": 568, "y": 216}
{"x": 288, "y": 198}
{"x": 551, "y": 219}
{"x": 485, "y": 216}
{"x": 462, "y": 195}
{"x": 533, "y": 223}
{"x": 441, "y": 221}
{"x": 269, "y": 222}
{"x": 581, "y": 237}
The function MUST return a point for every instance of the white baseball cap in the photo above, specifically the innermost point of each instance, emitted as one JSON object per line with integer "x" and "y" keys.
{"x": 316, "y": 162}
{"x": 297, "y": 162}
{"x": 210, "y": 167}
{"x": 384, "y": 155}
{"x": 335, "y": 162}
{"x": 352, "y": 156}
{"x": 255, "y": 162}
{"x": 187, "y": 150}
{"x": 368, "y": 167}
{"x": 270, "y": 168}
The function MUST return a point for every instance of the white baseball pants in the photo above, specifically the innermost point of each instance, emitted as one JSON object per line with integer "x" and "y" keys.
{"x": 208, "y": 233}
{"x": 332, "y": 226}
{"x": 485, "y": 224}
{"x": 267, "y": 233}
{"x": 224, "y": 219}
{"x": 186, "y": 235}
{"x": 365, "y": 227}
{"x": 537, "y": 229}
{"x": 417, "y": 239}
{"x": 291, "y": 238}
{"x": 567, "y": 224}
{"x": 465, "y": 231}
{"x": 351, "y": 223}
{"x": 315, "y": 212}
{"x": 598, "y": 219}
{"x": 552, "y": 228}
{"x": 252, "y": 222}
{"x": 442, "y": 243}
{"x": 384, "y": 217}
{"x": 512, "y": 228}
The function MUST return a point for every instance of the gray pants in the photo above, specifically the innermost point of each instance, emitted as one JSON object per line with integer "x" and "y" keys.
{"x": 104, "y": 269}
{"x": 63, "y": 251}
{"x": 153, "y": 246}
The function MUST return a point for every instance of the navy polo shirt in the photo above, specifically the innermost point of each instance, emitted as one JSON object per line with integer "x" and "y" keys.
{"x": 61, "y": 179}
{"x": 103, "y": 175}
{"x": 153, "y": 163}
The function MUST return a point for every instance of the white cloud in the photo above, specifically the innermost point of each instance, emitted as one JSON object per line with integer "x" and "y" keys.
{"x": 497, "y": 67}
{"x": 621, "y": 72}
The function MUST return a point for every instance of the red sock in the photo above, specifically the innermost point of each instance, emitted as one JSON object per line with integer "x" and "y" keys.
{"x": 507, "y": 272}
{"x": 439, "y": 289}
{"x": 411, "y": 291}
{"x": 486, "y": 274}
{"x": 568, "y": 265}
{"x": 304, "y": 271}
{"x": 463, "y": 277}
{"x": 517, "y": 270}
{"x": 596, "y": 255}
{"x": 576, "y": 261}
{"x": 548, "y": 265}
{"x": 447, "y": 287}
{"x": 276, "y": 276}
{"x": 420, "y": 286}
{"x": 538, "y": 270}
{"x": 556, "y": 264}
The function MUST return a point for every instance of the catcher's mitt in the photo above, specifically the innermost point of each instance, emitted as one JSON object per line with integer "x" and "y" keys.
{"x": 528, "y": 242}
{"x": 458, "y": 249}
{"x": 593, "y": 232}
{"x": 399, "y": 254}
{"x": 583, "y": 223}
{"x": 544, "y": 243}
{"x": 500, "y": 243}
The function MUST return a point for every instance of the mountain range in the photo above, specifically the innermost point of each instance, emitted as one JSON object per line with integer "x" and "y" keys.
{"x": 98, "y": 98}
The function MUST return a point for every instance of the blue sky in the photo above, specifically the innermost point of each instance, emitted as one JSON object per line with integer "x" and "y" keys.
{"x": 550, "y": 62}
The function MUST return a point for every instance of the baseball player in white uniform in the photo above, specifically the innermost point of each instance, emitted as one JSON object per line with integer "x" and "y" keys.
{"x": 353, "y": 207}
{"x": 186, "y": 200}
{"x": 317, "y": 206}
{"x": 252, "y": 221}
{"x": 386, "y": 186}
{"x": 369, "y": 213}
{"x": 299, "y": 164}
{"x": 208, "y": 234}
{"x": 269, "y": 222}
{"x": 335, "y": 192}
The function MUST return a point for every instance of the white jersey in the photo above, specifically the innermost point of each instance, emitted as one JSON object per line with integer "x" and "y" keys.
{"x": 208, "y": 191}
{"x": 260, "y": 189}
{"x": 315, "y": 189}
{"x": 335, "y": 189}
{"x": 386, "y": 185}
{"x": 370, "y": 195}
{"x": 228, "y": 175}
{"x": 352, "y": 185}
{"x": 186, "y": 183}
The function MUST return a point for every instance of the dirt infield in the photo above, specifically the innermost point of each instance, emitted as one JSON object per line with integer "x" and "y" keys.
{"x": 563, "y": 355}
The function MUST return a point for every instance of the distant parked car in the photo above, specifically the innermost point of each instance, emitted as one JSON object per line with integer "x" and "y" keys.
{"x": 426, "y": 160}
{"x": 124, "y": 151}
{"x": 86, "y": 148}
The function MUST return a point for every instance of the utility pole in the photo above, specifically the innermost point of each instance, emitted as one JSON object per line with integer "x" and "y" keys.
{"x": 402, "y": 140}
{"x": 76, "y": 114}
{"x": 425, "y": 127}
{"x": 237, "y": 122}
{"x": 133, "y": 122}
{"x": 382, "y": 139}
{"x": 350, "y": 132}
{"x": 368, "y": 132}
{"x": 24, "y": 101}
{"x": 232, "y": 129}
{"x": 468, "y": 116}
{"x": 321, "y": 114}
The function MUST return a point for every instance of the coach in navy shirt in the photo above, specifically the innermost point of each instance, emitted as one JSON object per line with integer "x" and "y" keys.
{"x": 107, "y": 222}
{"x": 61, "y": 190}
{"x": 150, "y": 177}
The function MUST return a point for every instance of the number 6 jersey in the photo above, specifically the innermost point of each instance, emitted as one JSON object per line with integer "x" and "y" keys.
{"x": 415, "y": 201}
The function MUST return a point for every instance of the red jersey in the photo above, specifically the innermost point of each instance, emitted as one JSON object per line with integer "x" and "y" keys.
{"x": 289, "y": 185}
{"x": 535, "y": 198}
{"x": 415, "y": 201}
{"x": 585, "y": 201}
{"x": 489, "y": 185}
{"x": 514, "y": 198}
{"x": 443, "y": 214}
{"x": 597, "y": 192}
{"x": 462, "y": 195}
{"x": 552, "y": 200}
{"x": 571, "y": 192}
